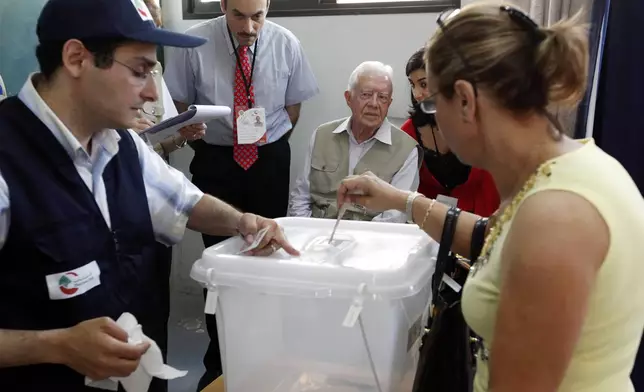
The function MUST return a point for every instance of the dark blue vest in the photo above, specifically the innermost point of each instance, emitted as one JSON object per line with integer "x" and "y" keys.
{"x": 56, "y": 226}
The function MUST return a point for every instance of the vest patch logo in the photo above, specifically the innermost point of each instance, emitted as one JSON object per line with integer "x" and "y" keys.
{"x": 67, "y": 283}
{"x": 70, "y": 284}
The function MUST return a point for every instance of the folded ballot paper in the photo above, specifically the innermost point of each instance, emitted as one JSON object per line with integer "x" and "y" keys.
{"x": 151, "y": 364}
{"x": 195, "y": 114}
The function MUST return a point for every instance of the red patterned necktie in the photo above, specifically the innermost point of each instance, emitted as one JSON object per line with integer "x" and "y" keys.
{"x": 245, "y": 154}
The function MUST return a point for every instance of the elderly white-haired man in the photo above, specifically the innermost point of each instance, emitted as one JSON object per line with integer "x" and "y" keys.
{"x": 366, "y": 141}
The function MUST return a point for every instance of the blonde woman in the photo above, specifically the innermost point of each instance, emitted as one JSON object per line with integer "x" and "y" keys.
{"x": 556, "y": 293}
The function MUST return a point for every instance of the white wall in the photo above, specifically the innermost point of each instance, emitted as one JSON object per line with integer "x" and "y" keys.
{"x": 335, "y": 45}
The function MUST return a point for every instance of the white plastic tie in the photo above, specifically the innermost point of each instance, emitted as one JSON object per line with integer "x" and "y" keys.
{"x": 356, "y": 308}
{"x": 211, "y": 301}
{"x": 212, "y": 296}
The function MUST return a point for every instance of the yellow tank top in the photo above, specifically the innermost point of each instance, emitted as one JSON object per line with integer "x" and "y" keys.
{"x": 605, "y": 353}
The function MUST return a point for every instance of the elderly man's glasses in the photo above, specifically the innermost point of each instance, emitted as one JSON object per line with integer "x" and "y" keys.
{"x": 368, "y": 96}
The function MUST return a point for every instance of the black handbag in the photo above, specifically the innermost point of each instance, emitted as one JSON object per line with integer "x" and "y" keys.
{"x": 446, "y": 362}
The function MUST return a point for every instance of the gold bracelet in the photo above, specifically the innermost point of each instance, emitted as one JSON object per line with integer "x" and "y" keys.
{"x": 427, "y": 212}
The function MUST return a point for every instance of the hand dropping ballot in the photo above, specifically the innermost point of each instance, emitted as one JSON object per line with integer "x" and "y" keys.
{"x": 151, "y": 364}
{"x": 251, "y": 126}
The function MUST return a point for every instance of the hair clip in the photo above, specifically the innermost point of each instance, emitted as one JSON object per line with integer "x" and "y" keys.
{"x": 525, "y": 21}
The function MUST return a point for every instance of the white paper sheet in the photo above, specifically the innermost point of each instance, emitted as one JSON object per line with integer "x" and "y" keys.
{"x": 195, "y": 114}
{"x": 151, "y": 364}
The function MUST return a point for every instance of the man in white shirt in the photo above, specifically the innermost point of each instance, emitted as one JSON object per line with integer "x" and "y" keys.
{"x": 249, "y": 62}
{"x": 251, "y": 65}
{"x": 366, "y": 141}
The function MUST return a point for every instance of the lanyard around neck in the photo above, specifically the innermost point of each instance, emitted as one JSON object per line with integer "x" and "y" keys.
{"x": 247, "y": 84}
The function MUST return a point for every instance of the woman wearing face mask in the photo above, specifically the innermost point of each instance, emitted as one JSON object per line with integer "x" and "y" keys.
{"x": 557, "y": 292}
{"x": 442, "y": 174}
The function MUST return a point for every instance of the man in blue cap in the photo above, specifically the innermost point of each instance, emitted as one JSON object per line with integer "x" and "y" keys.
{"x": 83, "y": 201}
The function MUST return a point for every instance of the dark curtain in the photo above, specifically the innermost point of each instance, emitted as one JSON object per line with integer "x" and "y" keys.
{"x": 619, "y": 120}
{"x": 597, "y": 39}
{"x": 619, "y": 123}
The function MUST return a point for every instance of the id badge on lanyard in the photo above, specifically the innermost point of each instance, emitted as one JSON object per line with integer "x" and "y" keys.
{"x": 251, "y": 126}
{"x": 250, "y": 120}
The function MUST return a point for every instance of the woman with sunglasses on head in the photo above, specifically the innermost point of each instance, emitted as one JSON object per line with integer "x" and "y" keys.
{"x": 556, "y": 294}
{"x": 442, "y": 174}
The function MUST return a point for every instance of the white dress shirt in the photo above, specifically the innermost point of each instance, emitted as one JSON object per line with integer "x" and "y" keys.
{"x": 206, "y": 76}
{"x": 406, "y": 178}
{"x": 171, "y": 196}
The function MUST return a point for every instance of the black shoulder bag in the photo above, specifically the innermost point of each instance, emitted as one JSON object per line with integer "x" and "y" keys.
{"x": 446, "y": 362}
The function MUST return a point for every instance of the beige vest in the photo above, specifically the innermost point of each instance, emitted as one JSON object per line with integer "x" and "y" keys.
{"x": 330, "y": 165}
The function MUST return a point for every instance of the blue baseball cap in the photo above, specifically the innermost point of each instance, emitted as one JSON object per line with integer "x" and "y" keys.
{"x": 62, "y": 20}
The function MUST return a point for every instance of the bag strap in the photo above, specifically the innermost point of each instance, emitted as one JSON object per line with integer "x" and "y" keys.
{"x": 444, "y": 250}
{"x": 478, "y": 238}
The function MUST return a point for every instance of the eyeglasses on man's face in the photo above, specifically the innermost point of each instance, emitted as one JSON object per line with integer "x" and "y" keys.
{"x": 366, "y": 96}
{"x": 141, "y": 77}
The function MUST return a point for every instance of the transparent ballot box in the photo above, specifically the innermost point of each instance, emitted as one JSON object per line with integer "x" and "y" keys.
{"x": 341, "y": 317}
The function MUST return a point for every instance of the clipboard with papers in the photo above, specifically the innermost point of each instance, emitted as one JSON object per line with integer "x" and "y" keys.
{"x": 195, "y": 114}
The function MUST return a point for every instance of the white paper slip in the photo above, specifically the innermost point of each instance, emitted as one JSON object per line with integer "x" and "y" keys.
{"x": 258, "y": 238}
{"x": 196, "y": 114}
{"x": 151, "y": 364}
{"x": 251, "y": 126}
{"x": 341, "y": 213}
